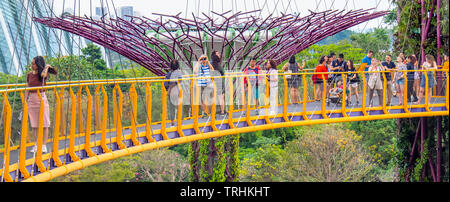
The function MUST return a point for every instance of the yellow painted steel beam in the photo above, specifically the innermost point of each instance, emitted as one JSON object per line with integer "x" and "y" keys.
{"x": 344, "y": 94}
{"x": 104, "y": 121}
{"x": 427, "y": 93}
{"x": 40, "y": 136}
{"x": 267, "y": 102}
{"x": 213, "y": 106}
{"x": 230, "y": 103}
{"x": 119, "y": 111}
{"x": 446, "y": 92}
{"x": 285, "y": 99}
{"x": 248, "y": 102}
{"x": 87, "y": 136}
{"x": 7, "y": 113}
{"x": 164, "y": 111}
{"x": 195, "y": 104}
{"x": 180, "y": 110}
{"x": 72, "y": 127}
{"x": 305, "y": 96}
{"x": 405, "y": 94}
{"x": 98, "y": 120}
{"x": 324, "y": 97}
{"x": 384, "y": 93}
{"x": 23, "y": 137}
{"x": 164, "y": 143}
{"x": 364, "y": 95}
{"x": 148, "y": 129}
{"x": 133, "y": 115}
{"x": 55, "y": 153}
{"x": 80, "y": 110}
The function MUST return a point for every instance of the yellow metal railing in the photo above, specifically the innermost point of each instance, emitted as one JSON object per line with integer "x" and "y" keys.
{"x": 138, "y": 102}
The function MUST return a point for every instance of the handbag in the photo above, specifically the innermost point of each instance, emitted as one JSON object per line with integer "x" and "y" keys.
{"x": 289, "y": 76}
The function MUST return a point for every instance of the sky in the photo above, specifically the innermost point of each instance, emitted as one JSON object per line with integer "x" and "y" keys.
{"x": 148, "y": 7}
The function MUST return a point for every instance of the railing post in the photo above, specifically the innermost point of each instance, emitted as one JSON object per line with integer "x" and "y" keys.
{"x": 148, "y": 125}
{"x": 324, "y": 96}
{"x": 195, "y": 105}
{"x": 7, "y": 133}
{"x": 446, "y": 91}
{"x": 305, "y": 97}
{"x": 427, "y": 93}
{"x": 364, "y": 94}
{"x": 87, "y": 135}
{"x": 73, "y": 117}
{"x": 40, "y": 137}
{"x": 213, "y": 106}
{"x": 55, "y": 153}
{"x": 119, "y": 119}
{"x": 405, "y": 93}
{"x": 133, "y": 115}
{"x": 63, "y": 118}
{"x": 23, "y": 137}
{"x": 164, "y": 111}
{"x": 98, "y": 120}
{"x": 180, "y": 110}
{"x": 247, "y": 103}
{"x": 104, "y": 121}
{"x": 267, "y": 101}
{"x": 285, "y": 99}
{"x": 231, "y": 103}
{"x": 80, "y": 111}
{"x": 344, "y": 94}
{"x": 384, "y": 93}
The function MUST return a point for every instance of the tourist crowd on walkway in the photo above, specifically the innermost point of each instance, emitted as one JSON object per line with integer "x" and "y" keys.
{"x": 330, "y": 75}
{"x": 389, "y": 76}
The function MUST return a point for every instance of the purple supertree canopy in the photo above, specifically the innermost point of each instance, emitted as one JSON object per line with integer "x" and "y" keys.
{"x": 152, "y": 43}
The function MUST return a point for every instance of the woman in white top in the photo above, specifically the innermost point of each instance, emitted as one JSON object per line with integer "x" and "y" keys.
{"x": 375, "y": 83}
{"x": 399, "y": 79}
{"x": 273, "y": 85}
{"x": 429, "y": 64}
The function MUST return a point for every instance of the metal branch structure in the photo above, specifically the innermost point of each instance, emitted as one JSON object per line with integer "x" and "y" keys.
{"x": 152, "y": 43}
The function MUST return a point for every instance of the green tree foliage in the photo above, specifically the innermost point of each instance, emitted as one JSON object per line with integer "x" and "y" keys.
{"x": 264, "y": 165}
{"x": 93, "y": 55}
{"x": 379, "y": 136}
{"x": 378, "y": 40}
{"x": 312, "y": 54}
{"x": 321, "y": 153}
{"x": 161, "y": 165}
{"x": 343, "y": 35}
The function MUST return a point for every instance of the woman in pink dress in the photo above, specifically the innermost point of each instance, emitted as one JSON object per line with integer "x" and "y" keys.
{"x": 38, "y": 77}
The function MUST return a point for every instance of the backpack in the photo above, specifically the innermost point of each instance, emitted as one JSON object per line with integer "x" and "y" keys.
{"x": 167, "y": 84}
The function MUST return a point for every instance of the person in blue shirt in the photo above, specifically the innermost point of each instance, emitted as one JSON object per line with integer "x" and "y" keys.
{"x": 367, "y": 59}
{"x": 203, "y": 69}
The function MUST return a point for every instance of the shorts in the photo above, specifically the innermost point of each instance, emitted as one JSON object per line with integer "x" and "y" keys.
{"x": 400, "y": 81}
{"x": 354, "y": 85}
{"x": 294, "y": 82}
{"x": 319, "y": 81}
{"x": 430, "y": 80}
{"x": 255, "y": 92}
{"x": 416, "y": 75}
